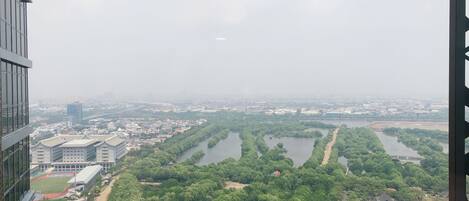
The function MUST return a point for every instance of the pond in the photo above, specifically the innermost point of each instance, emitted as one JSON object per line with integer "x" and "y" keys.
{"x": 343, "y": 161}
{"x": 395, "y": 148}
{"x": 227, "y": 148}
{"x": 298, "y": 149}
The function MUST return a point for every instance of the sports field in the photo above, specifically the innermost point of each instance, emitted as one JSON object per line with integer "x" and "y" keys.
{"x": 50, "y": 184}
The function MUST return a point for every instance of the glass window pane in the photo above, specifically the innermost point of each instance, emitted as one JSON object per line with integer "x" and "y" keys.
{"x": 15, "y": 84}
{"x": 8, "y": 23}
{"x": 4, "y": 100}
{"x": 15, "y": 97}
{"x": 13, "y": 26}
{"x": 2, "y": 23}
{"x": 26, "y": 95}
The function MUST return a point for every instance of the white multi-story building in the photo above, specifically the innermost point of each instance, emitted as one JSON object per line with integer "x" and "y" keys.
{"x": 76, "y": 151}
{"x": 109, "y": 151}
{"x": 48, "y": 151}
{"x": 72, "y": 153}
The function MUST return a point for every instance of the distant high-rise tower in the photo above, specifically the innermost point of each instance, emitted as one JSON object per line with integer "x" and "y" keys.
{"x": 14, "y": 112}
{"x": 75, "y": 113}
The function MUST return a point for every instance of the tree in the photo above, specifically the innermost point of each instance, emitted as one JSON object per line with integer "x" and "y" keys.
{"x": 234, "y": 195}
{"x": 126, "y": 188}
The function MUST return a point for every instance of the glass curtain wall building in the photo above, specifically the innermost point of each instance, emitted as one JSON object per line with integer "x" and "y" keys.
{"x": 75, "y": 113}
{"x": 14, "y": 112}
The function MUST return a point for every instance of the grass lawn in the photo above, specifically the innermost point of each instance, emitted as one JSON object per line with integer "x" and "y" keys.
{"x": 50, "y": 185}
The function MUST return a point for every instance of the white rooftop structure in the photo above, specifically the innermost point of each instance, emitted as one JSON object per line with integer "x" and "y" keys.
{"x": 86, "y": 175}
{"x": 79, "y": 143}
{"x": 71, "y": 153}
{"x": 113, "y": 141}
{"x": 58, "y": 140}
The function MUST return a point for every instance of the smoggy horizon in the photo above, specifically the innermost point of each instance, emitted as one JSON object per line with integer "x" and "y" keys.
{"x": 238, "y": 49}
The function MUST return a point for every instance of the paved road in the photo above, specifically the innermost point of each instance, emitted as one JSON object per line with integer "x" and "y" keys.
{"x": 328, "y": 151}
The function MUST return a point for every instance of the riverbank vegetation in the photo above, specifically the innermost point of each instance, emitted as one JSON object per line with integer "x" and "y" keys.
{"x": 126, "y": 188}
{"x": 435, "y": 162}
{"x": 438, "y": 135}
{"x": 317, "y": 155}
{"x": 268, "y": 175}
{"x": 219, "y": 137}
{"x": 371, "y": 166}
{"x": 196, "y": 157}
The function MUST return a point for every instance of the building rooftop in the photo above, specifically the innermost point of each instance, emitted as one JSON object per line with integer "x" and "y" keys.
{"x": 58, "y": 140}
{"x": 79, "y": 143}
{"x": 98, "y": 137}
{"x": 52, "y": 142}
{"x": 86, "y": 175}
{"x": 114, "y": 140}
{"x": 80, "y": 140}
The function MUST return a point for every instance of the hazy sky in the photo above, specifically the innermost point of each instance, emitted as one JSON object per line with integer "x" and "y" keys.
{"x": 185, "y": 48}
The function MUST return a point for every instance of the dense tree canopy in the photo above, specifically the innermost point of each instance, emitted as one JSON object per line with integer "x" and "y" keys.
{"x": 269, "y": 175}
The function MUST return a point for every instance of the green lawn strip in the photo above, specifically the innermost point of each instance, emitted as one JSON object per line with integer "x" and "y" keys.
{"x": 50, "y": 185}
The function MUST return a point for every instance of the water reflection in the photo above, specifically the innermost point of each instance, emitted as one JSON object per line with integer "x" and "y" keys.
{"x": 395, "y": 148}
{"x": 227, "y": 148}
{"x": 298, "y": 149}
{"x": 343, "y": 161}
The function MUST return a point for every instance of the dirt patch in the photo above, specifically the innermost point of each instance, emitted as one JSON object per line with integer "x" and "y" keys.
{"x": 380, "y": 125}
{"x": 53, "y": 196}
{"x": 104, "y": 196}
{"x": 235, "y": 185}
{"x": 328, "y": 151}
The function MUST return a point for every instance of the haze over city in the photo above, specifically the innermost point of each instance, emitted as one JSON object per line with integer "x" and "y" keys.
{"x": 184, "y": 49}
{"x": 228, "y": 100}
